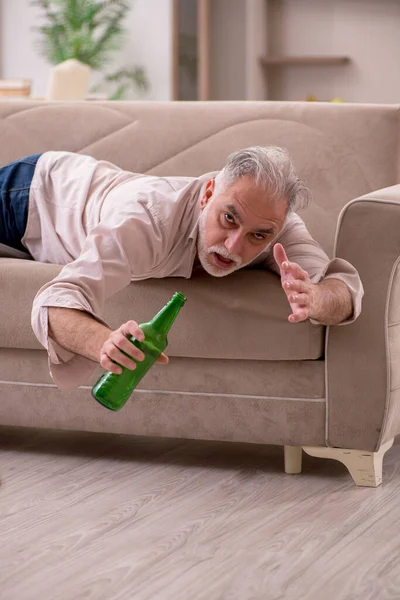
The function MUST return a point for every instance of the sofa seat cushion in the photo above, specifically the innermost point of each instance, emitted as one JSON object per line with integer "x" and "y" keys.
{"x": 241, "y": 316}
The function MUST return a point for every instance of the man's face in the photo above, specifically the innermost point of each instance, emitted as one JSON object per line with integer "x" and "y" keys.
{"x": 236, "y": 225}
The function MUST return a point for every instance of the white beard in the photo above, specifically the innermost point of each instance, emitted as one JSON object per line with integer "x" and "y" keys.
{"x": 205, "y": 254}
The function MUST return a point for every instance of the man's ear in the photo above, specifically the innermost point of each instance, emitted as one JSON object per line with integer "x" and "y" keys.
{"x": 208, "y": 192}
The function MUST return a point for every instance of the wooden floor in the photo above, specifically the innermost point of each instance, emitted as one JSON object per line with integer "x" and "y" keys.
{"x": 89, "y": 516}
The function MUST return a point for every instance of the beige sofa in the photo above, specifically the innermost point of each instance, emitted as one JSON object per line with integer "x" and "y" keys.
{"x": 238, "y": 371}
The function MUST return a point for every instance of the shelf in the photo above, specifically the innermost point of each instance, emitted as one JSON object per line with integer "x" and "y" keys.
{"x": 282, "y": 61}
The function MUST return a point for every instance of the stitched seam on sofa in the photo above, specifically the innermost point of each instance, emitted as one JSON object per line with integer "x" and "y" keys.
{"x": 388, "y": 354}
{"x": 103, "y": 138}
{"x": 372, "y": 200}
{"x": 177, "y": 392}
{"x": 42, "y": 105}
{"x": 17, "y": 111}
{"x": 245, "y": 122}
{"x": 78, "y": 150}
{"x": 326, "y": 387}
{"x": 217, "y": 132}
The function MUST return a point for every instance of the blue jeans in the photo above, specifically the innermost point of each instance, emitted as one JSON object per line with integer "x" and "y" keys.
{"x": 15, "y": 183}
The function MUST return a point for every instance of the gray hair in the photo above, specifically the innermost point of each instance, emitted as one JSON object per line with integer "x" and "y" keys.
{"x": 272, "y": 169}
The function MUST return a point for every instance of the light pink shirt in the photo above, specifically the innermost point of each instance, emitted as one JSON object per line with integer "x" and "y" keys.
{"x": 110, "y": 227}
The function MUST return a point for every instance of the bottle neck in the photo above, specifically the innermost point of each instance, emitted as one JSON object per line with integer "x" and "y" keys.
{"x": 163, "y": 320}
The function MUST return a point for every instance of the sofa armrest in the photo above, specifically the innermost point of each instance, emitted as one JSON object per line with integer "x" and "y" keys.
{"x": 363, "y": 407}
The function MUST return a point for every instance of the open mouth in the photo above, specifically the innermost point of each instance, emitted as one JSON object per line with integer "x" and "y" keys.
{"x": 221, "y": 261}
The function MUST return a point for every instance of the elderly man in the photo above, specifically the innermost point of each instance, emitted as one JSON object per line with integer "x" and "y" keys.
{"x": 109, "y": 227}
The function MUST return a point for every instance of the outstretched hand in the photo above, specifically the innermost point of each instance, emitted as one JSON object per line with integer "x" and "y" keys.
{"x": 297, "y": 285}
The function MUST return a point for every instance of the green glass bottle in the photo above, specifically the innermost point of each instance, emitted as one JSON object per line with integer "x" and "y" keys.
{"x": 113, "y": 390}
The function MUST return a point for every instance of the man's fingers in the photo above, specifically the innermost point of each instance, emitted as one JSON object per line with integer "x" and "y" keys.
{"x": 299, "y": 315}
{"x": 119, "y": 351}
{"x": 109, "y": 365}
{"x": 117, "y": 356}
{"x": 113, "y": 359}
{"x": 163, "y": 359}
{"x": 280, "y": 254}
{"x": 122, "y": 343}
{"x": 301, "y": 299}
{"x": 132, "y": 328}
{"x": 125, "y": 345}
{"x": 295, "y": 286}
{"x": 295, "y": 271}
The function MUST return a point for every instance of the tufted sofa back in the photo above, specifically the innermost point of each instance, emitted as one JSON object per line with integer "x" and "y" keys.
{"x": 340, "y": 151}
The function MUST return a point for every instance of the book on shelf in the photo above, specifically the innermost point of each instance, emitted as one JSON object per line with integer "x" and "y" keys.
{"x": 15, "y": 87}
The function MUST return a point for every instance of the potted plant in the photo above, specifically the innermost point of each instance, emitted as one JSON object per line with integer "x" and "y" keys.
{"x": 90, "y": 31}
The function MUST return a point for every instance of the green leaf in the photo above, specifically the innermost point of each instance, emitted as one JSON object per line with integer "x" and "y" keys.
{"x": 89, "y": 30}
{"x": 124, "y": 79}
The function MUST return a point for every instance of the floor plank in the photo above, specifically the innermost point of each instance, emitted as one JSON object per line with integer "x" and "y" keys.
{"x": 91, "y": 516}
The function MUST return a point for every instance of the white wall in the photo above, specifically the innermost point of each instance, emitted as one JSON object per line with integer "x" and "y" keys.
{"x": 238, "y": 39}
{"x": 368, "y": 31}
{"x": 149, "y": 44}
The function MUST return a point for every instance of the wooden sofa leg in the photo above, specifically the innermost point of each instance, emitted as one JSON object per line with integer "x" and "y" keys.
{"x": 364, "y": 467}
{"x": 293, "y": 459}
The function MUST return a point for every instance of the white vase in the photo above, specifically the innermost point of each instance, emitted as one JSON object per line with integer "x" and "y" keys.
{"x": 69, "y": 80}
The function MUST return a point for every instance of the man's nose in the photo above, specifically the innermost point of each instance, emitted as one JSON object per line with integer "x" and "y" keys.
{"x": 234, "y": 242}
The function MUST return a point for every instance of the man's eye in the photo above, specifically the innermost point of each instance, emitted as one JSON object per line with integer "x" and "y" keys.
{"x": 259, "y": 236}
{"x": 229, "y": 218}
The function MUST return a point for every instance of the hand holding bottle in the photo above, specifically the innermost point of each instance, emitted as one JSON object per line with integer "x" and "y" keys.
{"x": 114, "y": 387}
{"x": 116, "y": 348}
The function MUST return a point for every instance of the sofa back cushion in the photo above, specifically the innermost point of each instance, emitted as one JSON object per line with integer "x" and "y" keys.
{"x": 341, "y": 151}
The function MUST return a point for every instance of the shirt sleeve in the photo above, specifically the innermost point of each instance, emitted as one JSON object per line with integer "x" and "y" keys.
{"x": 301, "y": 248}
{"x": 108, "y": 262}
